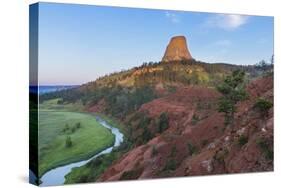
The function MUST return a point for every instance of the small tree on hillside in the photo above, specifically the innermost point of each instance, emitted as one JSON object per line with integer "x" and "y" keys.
{"x": 163, "y": 122}
{"x": 272, "y": 60}
{"x": 263, "y": 106}
{"x": 233, "y": 91}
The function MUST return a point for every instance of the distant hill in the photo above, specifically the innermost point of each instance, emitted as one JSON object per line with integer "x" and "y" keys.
{"x": 121, "y": 93}
{"x": 125, "y": 91}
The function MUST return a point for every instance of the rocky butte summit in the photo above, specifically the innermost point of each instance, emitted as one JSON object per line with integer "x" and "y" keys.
{"x": 177, "y": 50}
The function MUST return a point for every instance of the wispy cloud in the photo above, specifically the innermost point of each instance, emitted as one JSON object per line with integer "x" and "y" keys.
{"x": 172, "y": 17}
{"x": 227, "y": 21}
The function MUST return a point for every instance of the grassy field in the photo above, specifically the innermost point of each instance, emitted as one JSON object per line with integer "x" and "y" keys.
{"x": 91, "y": 171}
{"x": 52, "y": 104}
{"x": 86, "y": 140}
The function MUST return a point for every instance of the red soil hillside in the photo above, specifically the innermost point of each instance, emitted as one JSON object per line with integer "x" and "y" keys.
{"x": 197, "y": 142}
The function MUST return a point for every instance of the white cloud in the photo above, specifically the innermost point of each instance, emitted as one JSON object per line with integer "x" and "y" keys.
{"x": 172, "y": 17}
{"x": 227, "y": 21}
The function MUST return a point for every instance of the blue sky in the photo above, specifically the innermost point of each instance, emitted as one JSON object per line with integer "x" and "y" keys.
{"x": 78, "y": 43}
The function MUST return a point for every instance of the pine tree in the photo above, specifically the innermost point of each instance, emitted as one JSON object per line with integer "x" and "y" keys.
{"x": 233, "y": 91}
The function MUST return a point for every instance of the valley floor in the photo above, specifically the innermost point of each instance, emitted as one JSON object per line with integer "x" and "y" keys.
{"x": 87, "y": 137}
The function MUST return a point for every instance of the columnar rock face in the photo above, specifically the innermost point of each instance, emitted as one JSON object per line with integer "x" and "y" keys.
{"x": 177, "y": 50}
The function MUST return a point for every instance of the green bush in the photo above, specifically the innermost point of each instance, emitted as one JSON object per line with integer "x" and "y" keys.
{"x": 163, "y": 122}
{"x": 265, "y": 148}
{"x": 144, "y": 121}
{"x": 78, "y": 125}
{"x": 173, "y": 151}
{"x": 66, "y": 128}
{"x": 60, "y": 101}
{"x": 263, "y": 106}
{"x": 73, "y": 129}
{"x": 171, "y": 165}
{"x": 68, "y": 142}
{"x": 194, "y": 119}
{"x": 242, "y": 140}
{"x": 191, "y": 148}
{"x": 131, "y": 175}
{"x": 83, "y": 179}
{"x": 221, "y": 155}
{"x": 204, "y": 142}
{"x": 154, "y": 151}
{"x": 146, "y": 135}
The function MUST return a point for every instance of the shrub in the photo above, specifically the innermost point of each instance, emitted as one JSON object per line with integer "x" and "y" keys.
{"x": 68, "y": 142}
{"x": 60, "y": 101}
{"x": 194, "y": 119}
{"x": 131, "y": 175}
{"x": 66, "y": 128}
{"x": 263, "y": 106}
{"x": 242, "y": 140}
{"x": 265, "y": 148}
{"x": 96, "y": 162}
{"x": 144, "y": 122}
{"x": 221, "y": 155}
{"x": 163, "y": 122}
{"x": 173, "y": 151}
{"x": 191, "y": 148}
{"x": 83, "y": 179}
{"x": 171, "y": 165}
{"x": 78, "y": 125}
{"x": 154, "y": 151}
{"x": 73, "y": 129}
{"x": 204, "y": 142}
{"x": 146, "y": 135}
{"x": 172, "y": 89}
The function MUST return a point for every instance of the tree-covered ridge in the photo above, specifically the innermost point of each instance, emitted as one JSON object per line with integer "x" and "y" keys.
{"x": 186, "y": 72}
{"x": 124, "y": 92}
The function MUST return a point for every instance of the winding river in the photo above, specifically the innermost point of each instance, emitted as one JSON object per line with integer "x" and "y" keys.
{"x": 56, "y": 175}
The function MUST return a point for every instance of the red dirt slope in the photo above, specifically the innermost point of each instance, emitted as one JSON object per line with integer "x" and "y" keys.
{"x": 197, "y": 142}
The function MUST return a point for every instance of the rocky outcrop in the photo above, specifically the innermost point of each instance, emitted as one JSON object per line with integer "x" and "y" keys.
{"x": 177, "y": 50}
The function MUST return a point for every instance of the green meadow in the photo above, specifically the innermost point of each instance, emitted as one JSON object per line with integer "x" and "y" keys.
{"x": 66, "y": 136}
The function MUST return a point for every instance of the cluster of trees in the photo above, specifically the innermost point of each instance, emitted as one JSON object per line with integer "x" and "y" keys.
{"x": 263, "y": 67}
{"x": 176, "y": 71}
{"x": 149, "y": 127}
{"x": 121, "y": 101}
{"x": 69, "y": 95}
{"x": 233, "y": 91}
{"x": 70, "y": 130}
{"x": 170, "y": 72}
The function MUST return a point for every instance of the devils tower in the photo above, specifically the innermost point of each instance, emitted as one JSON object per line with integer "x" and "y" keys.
{"x": 177, "y": 50}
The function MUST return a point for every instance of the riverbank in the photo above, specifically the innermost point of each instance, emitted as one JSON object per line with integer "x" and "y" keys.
{"x": 57, "y": 176}
{"x": 91, "y": 171}
{"x": 113, "y": 122}
{"x": 87, "y": 136}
